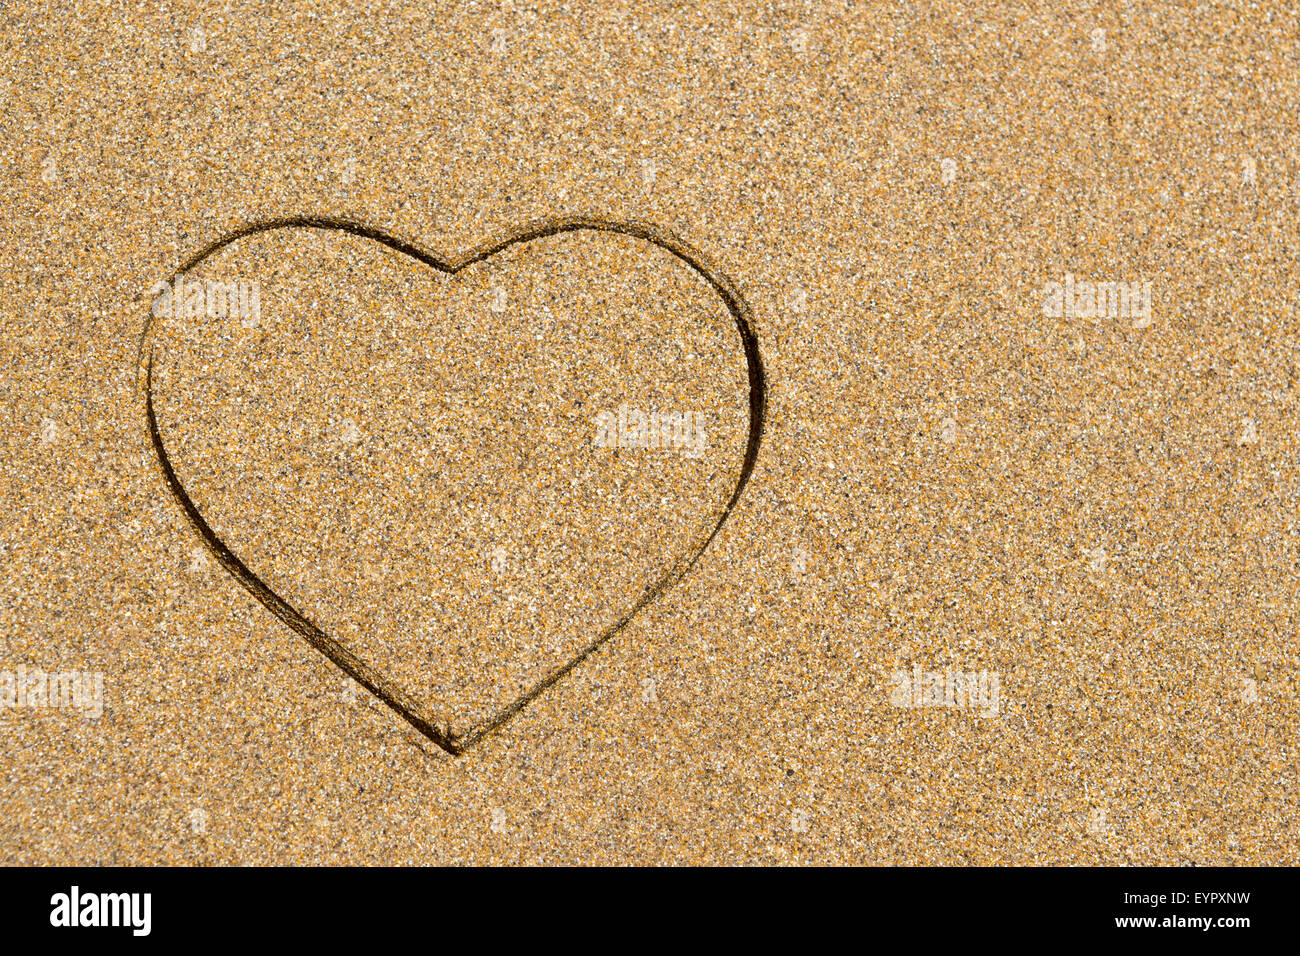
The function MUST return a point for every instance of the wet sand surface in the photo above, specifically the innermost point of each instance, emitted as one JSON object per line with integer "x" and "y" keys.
{"x": 1013, "y": 578}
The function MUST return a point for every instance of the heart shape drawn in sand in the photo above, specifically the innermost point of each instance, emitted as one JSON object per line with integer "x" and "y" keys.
{"x": 381, "y": 685}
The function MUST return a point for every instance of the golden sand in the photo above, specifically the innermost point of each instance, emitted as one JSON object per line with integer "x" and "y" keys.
{"x": 1007, "y": 584}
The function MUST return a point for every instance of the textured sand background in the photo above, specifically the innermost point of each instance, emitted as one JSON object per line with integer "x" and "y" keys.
{"x": 1100, "y": 512}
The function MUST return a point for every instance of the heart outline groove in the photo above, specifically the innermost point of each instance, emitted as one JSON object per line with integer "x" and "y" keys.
{"x": 389, "y": 691}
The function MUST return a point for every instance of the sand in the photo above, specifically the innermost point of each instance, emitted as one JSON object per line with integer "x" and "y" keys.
{"x": 1008, "y": 582}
